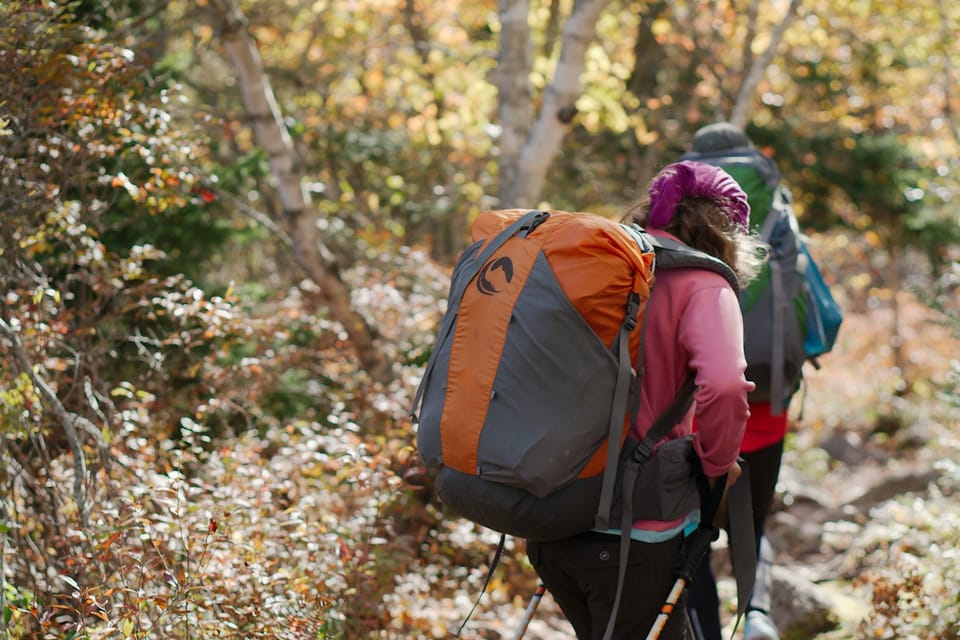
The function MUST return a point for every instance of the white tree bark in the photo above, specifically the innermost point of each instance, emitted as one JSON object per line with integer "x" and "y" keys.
{"x": 300, "y": 217}
{"x": 515, "y": 92}
{"x": 741, "y": 109}
{"x": 558, "y": 107}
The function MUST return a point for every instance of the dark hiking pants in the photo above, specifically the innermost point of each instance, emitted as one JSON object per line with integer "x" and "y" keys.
{"x": 581, "y": 575}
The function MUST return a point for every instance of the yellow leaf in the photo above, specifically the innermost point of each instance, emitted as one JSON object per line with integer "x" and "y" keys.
{"x": 205, "y": 32}
{"x": 661, "y": 27}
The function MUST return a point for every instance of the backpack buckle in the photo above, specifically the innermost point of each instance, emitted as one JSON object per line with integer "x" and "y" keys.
{"x": 538, "y": 218}
{"x": 643, "y": 451}
{"x": 633, "y": 308}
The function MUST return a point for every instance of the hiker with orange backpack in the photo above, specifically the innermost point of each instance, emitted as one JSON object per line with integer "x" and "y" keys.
{"x": 693, "y": 324}
{"x": 556, "y": 405}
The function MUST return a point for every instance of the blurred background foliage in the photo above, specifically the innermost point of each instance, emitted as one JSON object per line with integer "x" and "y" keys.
{"x": 190, "y": 443}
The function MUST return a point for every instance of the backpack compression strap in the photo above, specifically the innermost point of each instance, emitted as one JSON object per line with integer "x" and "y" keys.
{"x": 743, "y": 540}
{"x": 618, "y": 411}
{"x": 779, "y": 214}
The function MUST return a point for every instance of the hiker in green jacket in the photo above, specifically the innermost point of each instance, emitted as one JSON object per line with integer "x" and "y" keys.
{"x": 726, "y": 145}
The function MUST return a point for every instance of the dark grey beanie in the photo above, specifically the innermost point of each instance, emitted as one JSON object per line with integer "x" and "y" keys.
{"x": 718, "y": 137}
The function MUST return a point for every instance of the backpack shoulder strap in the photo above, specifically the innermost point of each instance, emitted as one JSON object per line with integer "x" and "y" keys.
{"x": 672, "y": 254}
{"x": 781, "y": 210}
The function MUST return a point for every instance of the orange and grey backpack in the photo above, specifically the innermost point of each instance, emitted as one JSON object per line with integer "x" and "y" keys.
{"x": 528, "y": 396}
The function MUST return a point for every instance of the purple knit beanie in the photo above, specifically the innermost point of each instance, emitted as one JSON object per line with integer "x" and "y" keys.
{"x": 689, "y": 179}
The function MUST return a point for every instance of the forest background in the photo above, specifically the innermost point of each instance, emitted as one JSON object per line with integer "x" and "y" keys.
{"x": 226, "y": 238}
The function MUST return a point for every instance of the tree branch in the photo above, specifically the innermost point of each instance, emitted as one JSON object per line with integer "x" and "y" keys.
{"x": 741, "y": 109}
{"x": 299, "y": 215}
{"x": 67, "y": 420}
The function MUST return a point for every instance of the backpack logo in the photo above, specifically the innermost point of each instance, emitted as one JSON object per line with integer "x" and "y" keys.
{"x": 484, "y": 285}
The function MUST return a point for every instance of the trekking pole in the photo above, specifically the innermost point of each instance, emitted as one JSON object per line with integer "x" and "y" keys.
{"x": 528, "y": 614}
{"x": 696, "y": 546}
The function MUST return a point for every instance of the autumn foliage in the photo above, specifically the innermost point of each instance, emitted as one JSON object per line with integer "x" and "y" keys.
{"x": 191, "y": 446}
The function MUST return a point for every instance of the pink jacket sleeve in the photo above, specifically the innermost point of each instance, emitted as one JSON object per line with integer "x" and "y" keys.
{"x": 711, "y": 332}
{"x": 693, "y": 323}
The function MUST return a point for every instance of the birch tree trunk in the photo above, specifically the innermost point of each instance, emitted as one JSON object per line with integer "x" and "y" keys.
{"x": 515, "y": 93}
{"x": 299, "y": 216}
{"x": 557, "y": 110}
{"x": 741, "y": 108}
{"x": 747, "y": 56}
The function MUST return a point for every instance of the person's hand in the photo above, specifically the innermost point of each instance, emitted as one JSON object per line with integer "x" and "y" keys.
{"x": 733, "y": 474}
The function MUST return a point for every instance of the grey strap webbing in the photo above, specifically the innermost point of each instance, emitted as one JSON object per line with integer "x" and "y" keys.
{"x": 672, "y": 254}
{"x": 743, "y": 541}
{"x": 773, "y": 217}
{"x": 486, "y": 582}
{"x": 778, "y": 321}
{"x": 618, "y": 412}
{"x": 524, "y": 224}
{"x": 778, "y": 329}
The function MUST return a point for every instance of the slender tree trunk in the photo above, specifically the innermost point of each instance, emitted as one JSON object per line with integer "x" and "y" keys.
{"x": 896, "y": 339}
{"x": 553, "y": 28}
{"x": 741, "y": 108}
{"x": 648, "y": 55}
{"x": 947, "y": 37}
{"x": 299, "y": 215}
{"x": 448, "y": 230}
{"x": 515, "y": 93}
{"x": 747, "y": 56}
{"x": 557, "y": 110}
{"x": 648, "y": 58}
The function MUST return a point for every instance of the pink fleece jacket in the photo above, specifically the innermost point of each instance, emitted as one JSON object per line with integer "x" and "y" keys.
{"x": 694, "y": 323}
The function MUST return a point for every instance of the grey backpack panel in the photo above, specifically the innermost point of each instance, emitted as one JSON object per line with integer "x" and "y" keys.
{"x": 546, "y": 334}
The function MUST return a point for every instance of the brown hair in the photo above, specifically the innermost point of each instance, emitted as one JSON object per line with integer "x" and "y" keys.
{"x": 703, "y": 224}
